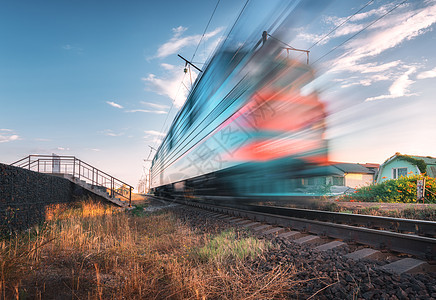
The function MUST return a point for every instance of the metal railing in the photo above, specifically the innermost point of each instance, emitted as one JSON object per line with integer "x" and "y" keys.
{"x": 78, "y": 169}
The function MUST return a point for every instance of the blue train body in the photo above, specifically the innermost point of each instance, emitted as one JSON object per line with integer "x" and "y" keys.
{"x": 245, "y": 129}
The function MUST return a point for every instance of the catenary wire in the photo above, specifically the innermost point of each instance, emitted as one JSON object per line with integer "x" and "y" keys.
{"x": 354, "y": 35}
{"x": 333, "y": 30}
{"x": 178, "y": 89}
{"x": 346, "y": 20}
{"x": 205, "y": 29}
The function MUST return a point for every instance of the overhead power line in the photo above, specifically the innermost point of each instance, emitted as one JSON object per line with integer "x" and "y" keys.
{"x": 205, "y": 29}
{"x": 195, "y": 52}
{"x": 354, "y": 35}
{"x": 334, "y": 29}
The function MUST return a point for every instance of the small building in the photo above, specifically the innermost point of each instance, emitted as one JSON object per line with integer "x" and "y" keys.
{"x": 371, "y": 166}
{"x": 400, "y": 165}
{"x": 344, "y": 177}
{"x": 353, "y": 175}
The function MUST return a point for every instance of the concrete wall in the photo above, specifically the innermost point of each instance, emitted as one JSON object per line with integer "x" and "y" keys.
{"x": 358, "y": 180}
{"x": 25, "y": 195}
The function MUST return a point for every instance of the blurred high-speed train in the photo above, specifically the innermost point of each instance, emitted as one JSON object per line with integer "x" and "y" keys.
{"x": 246, "y": 129}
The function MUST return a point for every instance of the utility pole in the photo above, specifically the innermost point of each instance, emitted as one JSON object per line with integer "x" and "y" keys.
{"x": 149, "y": 169}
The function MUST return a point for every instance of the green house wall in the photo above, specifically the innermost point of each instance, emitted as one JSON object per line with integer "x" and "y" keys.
{"x": 386, "y": 169}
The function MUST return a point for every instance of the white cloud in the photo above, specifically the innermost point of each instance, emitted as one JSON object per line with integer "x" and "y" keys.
{"x": 177, "y": 42}
{"x": 8, "y": 135}
{"x": 427, "y": 74}
{"x": 110, "y": 132}
{"x": 179, "y": 30}
{"x": 377, "y": 68}
{"x": 389, "y": 33}
{"x": 95, "y": 149}
{"x": 62, "y": 149}
{"x": 402, "y": 25}
{"x": 69, "y": 47}
{"x": 399, "y": 88}
{"x": 376, "y": 12}
{"x": 170, "y": 85}
{"x": 347, "y": 27}
{"x": 174, "y": 83}
{"x": 10, "y": 138}
{"x": 155, "y": 105}
{"x": 154, "y": 136}
{"x": 113, "y": 104}
{"x": 159, "y": 112}
{"x": 167, "y": 66}
{"x": 113, "y": 134}
{"x": 158, "y": 108}
{"x": 364, "y": 82}
{"x": 154, "y": 133}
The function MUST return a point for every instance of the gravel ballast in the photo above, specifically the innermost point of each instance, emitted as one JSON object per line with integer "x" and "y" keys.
{"x": 323, "y": 274}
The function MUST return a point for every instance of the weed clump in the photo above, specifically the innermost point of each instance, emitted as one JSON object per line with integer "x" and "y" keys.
{"x": 227, "y": 246}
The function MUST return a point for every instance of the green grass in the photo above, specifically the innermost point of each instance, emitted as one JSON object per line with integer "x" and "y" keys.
{"x": 227, "y": 246}
{"x": 138, "y": 210}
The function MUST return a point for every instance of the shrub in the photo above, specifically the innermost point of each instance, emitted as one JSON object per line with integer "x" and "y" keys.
{"x": 401, "y": 190}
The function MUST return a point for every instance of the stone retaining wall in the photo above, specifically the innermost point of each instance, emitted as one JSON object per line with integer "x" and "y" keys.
{"x": 25, "y": 195}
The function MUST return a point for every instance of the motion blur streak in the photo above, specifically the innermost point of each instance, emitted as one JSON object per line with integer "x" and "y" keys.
{"x": 245, "y": 129}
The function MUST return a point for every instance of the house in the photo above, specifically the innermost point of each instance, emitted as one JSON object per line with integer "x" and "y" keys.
{"x": 371, "y": 166}
{"x": 344, "y": 177}
{"x": 406, "y": 165}
{"x": 353, "y": 175}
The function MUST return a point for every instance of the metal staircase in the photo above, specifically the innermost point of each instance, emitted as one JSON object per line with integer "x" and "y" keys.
{"x": 83, "y": 174}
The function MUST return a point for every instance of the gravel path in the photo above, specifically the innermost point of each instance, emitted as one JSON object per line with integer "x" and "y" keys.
{"x": 329, "y": 273}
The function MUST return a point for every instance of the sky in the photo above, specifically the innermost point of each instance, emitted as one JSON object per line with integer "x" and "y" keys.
{"x": 101, "y": 80}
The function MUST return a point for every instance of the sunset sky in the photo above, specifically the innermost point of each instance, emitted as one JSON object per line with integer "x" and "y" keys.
{"x": 101, "y": 80}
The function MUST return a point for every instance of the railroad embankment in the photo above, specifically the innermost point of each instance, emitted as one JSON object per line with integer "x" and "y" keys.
{"x": 415, "y": 211}
{"x": 176, "y": 252}
{"x": 98, "y": 252}
{"x": 25, "y": 196}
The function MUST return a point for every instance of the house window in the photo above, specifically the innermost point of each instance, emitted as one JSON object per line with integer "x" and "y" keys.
{"x": 338, "y": 181}
{"x": 398, "y": 172}
{"x": 309, "y": 181}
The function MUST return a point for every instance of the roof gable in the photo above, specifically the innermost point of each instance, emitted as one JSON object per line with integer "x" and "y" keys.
{"x": 426, "y": 164}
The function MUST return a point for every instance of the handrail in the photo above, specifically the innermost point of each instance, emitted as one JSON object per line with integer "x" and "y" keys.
{"x": 70, "y": 165}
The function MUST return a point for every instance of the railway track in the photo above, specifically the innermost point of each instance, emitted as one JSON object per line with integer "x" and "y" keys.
{"x": 412, "y": 237}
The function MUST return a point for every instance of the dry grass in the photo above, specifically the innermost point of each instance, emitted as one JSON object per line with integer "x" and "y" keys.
{"x": 394, "y": 210}
{"x": 97, "y": 252}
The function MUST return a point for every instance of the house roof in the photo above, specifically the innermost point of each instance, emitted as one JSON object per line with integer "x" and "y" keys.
{"x": 352, "y": 168}
{"x": 427, "y": 159}
{"x": 430, "y": 162}
{"x": 370, "y": 165}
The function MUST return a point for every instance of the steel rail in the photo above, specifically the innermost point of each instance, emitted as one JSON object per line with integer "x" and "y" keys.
{"x": 420, "y": 246}
{"x": 421, "y": 227}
